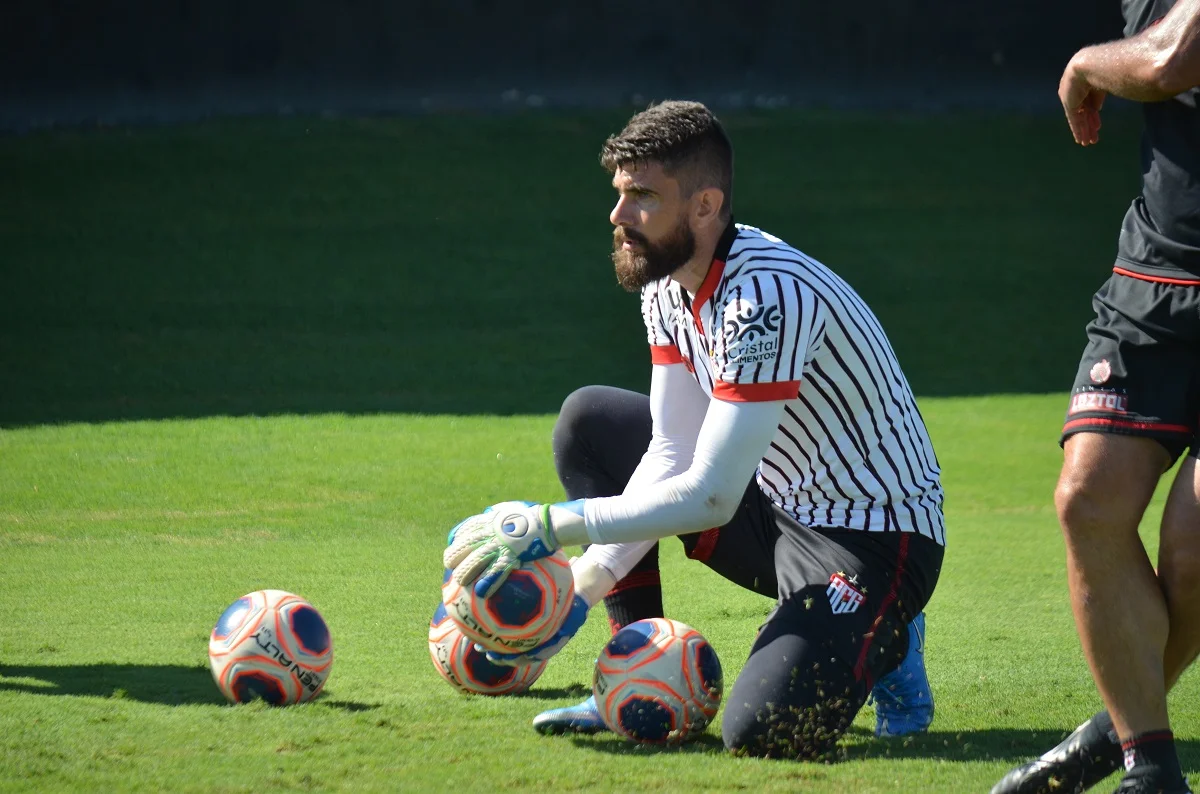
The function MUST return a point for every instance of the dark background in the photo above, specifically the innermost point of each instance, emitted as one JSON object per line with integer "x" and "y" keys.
{"x": 109, "y": 61}
{"x": 415, "y": 221}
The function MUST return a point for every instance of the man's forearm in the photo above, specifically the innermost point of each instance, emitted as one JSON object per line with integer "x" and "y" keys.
{"x": 732, "y": 442}
{"x": 1129, "y": 69}
{"x": 1156, "y": 64}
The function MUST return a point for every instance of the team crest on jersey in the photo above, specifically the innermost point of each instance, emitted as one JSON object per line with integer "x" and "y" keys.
{"x": 845, "y": 596}
{"x": 750, "y": 322}
{"x": 1101, "y": 371}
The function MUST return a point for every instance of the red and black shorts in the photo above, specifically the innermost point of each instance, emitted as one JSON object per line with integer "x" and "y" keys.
{"x": 1140, "y": 371}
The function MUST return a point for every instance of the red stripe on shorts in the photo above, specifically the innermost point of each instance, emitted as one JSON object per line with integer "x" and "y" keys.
{"x": 705, "y": 545}
{"x": 1125, "y": 424}
{"x": 860, "y": 667}
{"x": 1181, "y": 282}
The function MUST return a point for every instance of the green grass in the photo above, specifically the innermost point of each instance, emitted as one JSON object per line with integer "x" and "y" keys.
{"x": 292, "y": 353}
{"x": 123, "y": 542}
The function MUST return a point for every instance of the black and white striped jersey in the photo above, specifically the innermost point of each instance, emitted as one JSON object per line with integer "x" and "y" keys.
{"x": 770, "y": 323}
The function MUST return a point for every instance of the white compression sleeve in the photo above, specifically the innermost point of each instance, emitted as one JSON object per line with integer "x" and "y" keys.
{"x": 672, "y": 446}
{"x": 732, "y": 441}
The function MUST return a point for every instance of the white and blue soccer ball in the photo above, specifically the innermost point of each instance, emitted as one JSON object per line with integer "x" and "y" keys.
{"x": 270, "y": 645}
{"x": 468, "y": 670}
{"x": 530, "y": 606}
{"x": 658, "y": 681}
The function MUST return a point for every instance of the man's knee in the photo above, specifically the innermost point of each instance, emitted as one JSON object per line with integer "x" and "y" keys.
{"x": 800, "y": 733}
{"x": 1106, "y": 482}
{"x": 1082, "y": 502}
{"x": 580, "y": 411}
{"x": 794, "y": 698}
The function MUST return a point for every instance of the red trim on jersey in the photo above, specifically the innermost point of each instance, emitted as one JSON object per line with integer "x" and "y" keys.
{"x": 705, "y": 545}
{"x": 860, "y": 666}
{"x": 1126, "y": 424}
{"x": 635, "y": 580}
{"x": 707, "y": 288}
{"x": 756, "y": 392}
{"x": 665, "y": 354}
{"x": 1182, "y": 282}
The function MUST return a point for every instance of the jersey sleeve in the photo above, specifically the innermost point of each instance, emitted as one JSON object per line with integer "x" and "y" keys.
{"x": 770, "y": 327}
{"x": 663, "y": 349}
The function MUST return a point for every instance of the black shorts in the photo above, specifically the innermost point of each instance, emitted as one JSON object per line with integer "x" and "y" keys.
{"x": 1140, "y": 371}
{"x": 843, "y": 582}
{"x": 840, "y": 623}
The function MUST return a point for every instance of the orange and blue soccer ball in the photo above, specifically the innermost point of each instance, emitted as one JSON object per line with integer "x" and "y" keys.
{"x": 468, "y": 670}
{"x": 658, "y": 681}
{"x": 270, "y": 645}
{"x": 527, "y": 610}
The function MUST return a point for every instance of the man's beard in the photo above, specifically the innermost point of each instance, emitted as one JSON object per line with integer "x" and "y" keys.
{"x": 638, "y": 267}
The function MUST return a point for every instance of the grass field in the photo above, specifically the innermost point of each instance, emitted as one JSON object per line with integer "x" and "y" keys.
{"x": 292, "y": 353}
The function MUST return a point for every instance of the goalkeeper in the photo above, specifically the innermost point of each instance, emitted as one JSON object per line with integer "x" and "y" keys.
{"x": 780, "y": 442}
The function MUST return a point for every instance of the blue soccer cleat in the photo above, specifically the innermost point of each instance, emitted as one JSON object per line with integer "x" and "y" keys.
{"x": 903, "y": 699}
{"x": 581, "y": 718}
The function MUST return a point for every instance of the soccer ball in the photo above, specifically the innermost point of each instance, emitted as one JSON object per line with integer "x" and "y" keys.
{"x": 528, "y": 608}
{"x": 468, "y": 670}
{"x": 270, "y": 645}
{"x": 657, "y": 680}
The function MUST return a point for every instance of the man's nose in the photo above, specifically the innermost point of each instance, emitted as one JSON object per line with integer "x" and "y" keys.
{"x": 621, "y": 214}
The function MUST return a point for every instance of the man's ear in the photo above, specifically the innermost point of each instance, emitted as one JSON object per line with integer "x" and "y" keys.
{"x": 707, "y": 206}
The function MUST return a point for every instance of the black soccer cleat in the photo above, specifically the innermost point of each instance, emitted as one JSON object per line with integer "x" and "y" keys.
{"x": 1150, "y": 780}
{"x": 1091, "y": 753}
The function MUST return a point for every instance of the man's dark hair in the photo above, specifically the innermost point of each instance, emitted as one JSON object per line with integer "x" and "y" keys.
{"x": 685, "y": 138}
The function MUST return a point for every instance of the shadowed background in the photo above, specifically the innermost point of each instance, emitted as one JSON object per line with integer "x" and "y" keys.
{"x": 456, "y": 261}
{"x": 459, "y": 263}
{"x": 115, "y": 60}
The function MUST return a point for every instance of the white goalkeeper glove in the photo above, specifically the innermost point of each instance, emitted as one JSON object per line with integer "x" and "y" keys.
{"x": 490, "y": 546}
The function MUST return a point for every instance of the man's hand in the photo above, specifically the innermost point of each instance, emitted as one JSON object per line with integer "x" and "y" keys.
{"x": 575, "y": 619}
{"x": 592, "y": 582}
{"x": 493, "y": 544}
{"x": 1081, "y": 102}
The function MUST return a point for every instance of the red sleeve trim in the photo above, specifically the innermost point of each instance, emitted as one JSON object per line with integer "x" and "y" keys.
{"x": 665, "y": 354}
{"x": 756, "y": 392}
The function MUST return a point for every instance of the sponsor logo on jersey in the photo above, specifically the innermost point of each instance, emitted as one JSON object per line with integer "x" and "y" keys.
{"x": 844, "y": 594}
{"x": 1105, "y": 400}
{"x": 751, "y": 322}
{"x": 762, "y": 350}
{"x": 1101, "y": 371}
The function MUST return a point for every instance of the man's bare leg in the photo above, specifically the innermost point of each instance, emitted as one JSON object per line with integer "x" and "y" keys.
{"x": 1119, "y": 606}
{"x": 1179, "y": 570}
{"x": 1093, "y": 751}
